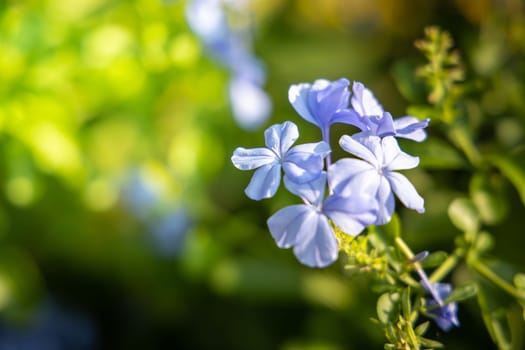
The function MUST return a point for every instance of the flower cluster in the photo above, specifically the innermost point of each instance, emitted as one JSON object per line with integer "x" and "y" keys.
{"x": 231, "y": 46}
{"x": 360, "y": 188}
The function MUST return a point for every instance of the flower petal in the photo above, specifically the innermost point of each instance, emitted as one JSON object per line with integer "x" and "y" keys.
{"x": 280, "y": 137}
{"x": 287, "y": 223}
{"x": 359, "y": 149}
{"x": 298, "y": 97}
{"x": 251, "y": 158}
{"x": 364, "y": 101}
{"x": 386, "y": 202}
{"x": 312, "y": 192}
{"x": 304, "y": 163}
{"x": 329, "y": 97}
{"x": 351, "y": 214}
{"x": 350, "y": 175}
{"x": 385, "y": 125}
{"x": 316, "y": 245}
{"x": 394, "y": 158}
{"x": 411, "y": 128}
{"x": 405, "y": 191}
{"x": 265, "y": 182}
{"x": 348, "y": 116}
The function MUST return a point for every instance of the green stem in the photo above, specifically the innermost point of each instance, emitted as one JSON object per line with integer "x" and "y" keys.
{"x": 404, "y": 248}
{"x": 419, "y": 269}
{"x": 486, "y": 272}
{"x": 444, "y": 269}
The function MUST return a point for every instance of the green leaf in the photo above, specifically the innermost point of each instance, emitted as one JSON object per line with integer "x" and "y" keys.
{"x": 422, "y": 328}
{"x": 488, "y": 197}
{"x": 463, "y": 215}
{"x": 435, "y": 154}
{"x": 519, "y": 281}
{"x": 388, "y": 307}
{"x": 514, "y": 169}
{"x": 463, "y": 292}
{"x": 484, "y": 242}
{"x": 411, "y": 88}
{"x": 429, "y": 343}
{"x": 494, "y": 304}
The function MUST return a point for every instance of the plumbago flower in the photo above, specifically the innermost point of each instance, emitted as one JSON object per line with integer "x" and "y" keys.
{"x": 323, "y": 103}
{"x": 231, "y": 46}
{"x": 373, "y": 120}
{"x": 301, "y": 163}
{"x": 306, "y": 227}
{"x": 360, "y": 191}
{"x": 445, "y": 315}
{"x": 376, "y": 173}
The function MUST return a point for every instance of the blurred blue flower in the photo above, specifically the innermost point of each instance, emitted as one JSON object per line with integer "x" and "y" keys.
{"x": 374, "y": 121}
{"x": 301, "y": 163}
{"x": 323, "y": 103}
{"x": 251, "y": 106}
{"x": 445, "y": 315}
{"x": 140, "y": 195}
{"x": 306, "y": 227}
{"x": 165, "y": 219}
{"x": 375, "y": 174}
{"x": 51, "y": 328}
{"x": 170, "y": 232}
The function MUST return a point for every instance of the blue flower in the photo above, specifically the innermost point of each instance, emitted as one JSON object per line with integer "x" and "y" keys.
{"x": 301, "y": 163}
{"x": 306, "y": 227}
{"x": 446, "y": 314}
{"x": 376, "y": 174}
{"x": 323, "y": 103}
{"x": 374, "y": 121}
{"x": 251, "y": 106}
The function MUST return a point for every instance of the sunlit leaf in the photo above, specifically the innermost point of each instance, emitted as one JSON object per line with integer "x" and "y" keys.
{"x": 514, "y": 169}
{"x": 388, "y": 307}
{"x": 463, "y": 215}
{"x": 489, "y": 199}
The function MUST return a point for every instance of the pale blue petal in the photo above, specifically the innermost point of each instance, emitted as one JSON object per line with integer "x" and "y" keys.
{"x": 330, "y": 97}
{"x": 395, "y": 159}
{"x": 298, "y": 97}
{"x": 321, "y": 148}
{"x": 304, "y": 163}
{"x": 406, "y": 192}
{"x": 385, "y": 125}
{"x": 386, "y": 202}
{"x": 411, "y": 128}
{"x": 348, "y": 116}
{"x": 390, "y": 149}
{"x": 350, "y": 175}
{"x": 364, "y": 102}
{"x": 251, "y": 158}
{"x": 287, "y": 223}
{"x": 316, "y": 245}
{"x": 265, "y": 182}
{"x": 312, "y": 192}
{"x": 280, "y": 137}
{"x": 251, "y": 106}
{"x": 359, "y": 149}
{"x": 351, "y": 214}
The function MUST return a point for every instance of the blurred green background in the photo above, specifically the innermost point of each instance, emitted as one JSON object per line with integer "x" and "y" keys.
{"x": 123, "y": 224}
